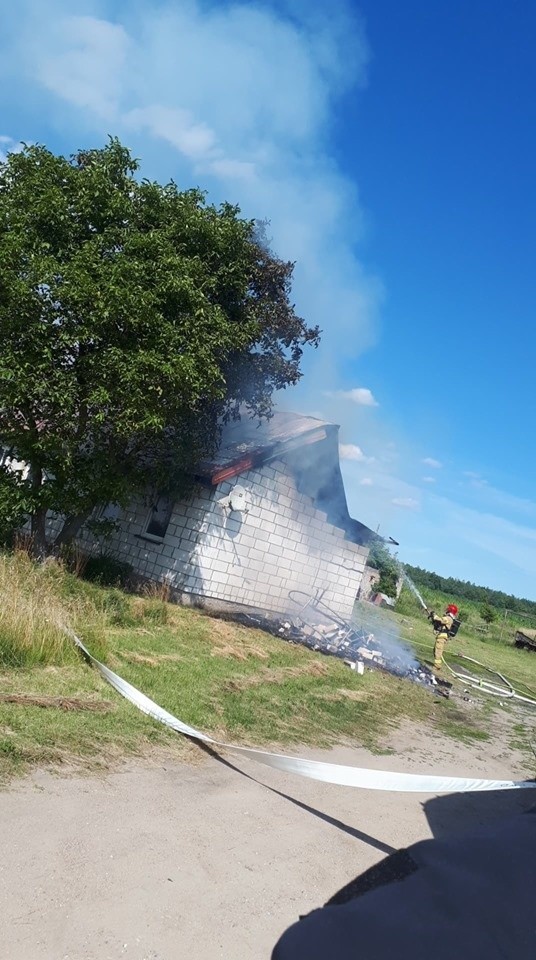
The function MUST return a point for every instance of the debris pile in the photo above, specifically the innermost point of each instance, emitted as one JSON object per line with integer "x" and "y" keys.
{"x": 330, "y": 635}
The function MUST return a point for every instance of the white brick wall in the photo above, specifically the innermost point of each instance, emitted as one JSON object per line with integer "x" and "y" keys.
{"x": 283, "y": 543}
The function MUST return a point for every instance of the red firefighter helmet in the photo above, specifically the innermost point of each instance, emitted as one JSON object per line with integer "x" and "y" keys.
{"x": 453, "y": 609}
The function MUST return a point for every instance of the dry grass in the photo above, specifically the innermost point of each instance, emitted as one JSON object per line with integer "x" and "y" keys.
{"x": 38, "y": 600}
{"x": 33, "y": 612}
{"x": 342, "y": 694}
{"x": 151, "y": 660}
{"x": 312, "y": 668}
{"x": 238, "y": 643}
{"x": 157, "y": 591}
{"x": 57, "y": 703}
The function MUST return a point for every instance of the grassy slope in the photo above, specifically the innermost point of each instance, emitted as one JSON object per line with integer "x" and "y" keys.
{"x": 236, "y": 683}
{"x": 493, "y": 646}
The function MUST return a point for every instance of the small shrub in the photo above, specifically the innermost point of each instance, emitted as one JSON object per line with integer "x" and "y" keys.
{"x": 74, "y": 559}
{"x": 387, "y": 583}
{"x": 156, "y": 611}
{"x": 487, "y": 613}
{"x": 118, "y": 609}
{"x": 155, "y": 604}
{"x": 157, "y": 591}
{"x": 107, "y": 571}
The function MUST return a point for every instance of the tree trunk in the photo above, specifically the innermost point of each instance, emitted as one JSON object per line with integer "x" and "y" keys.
{"x": 39, "y": 516}
{"x": 39, "y": 539}
{"x": 71, "y": 528}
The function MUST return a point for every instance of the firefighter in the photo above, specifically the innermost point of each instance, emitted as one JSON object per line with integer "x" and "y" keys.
{"x": 444, "y": 627}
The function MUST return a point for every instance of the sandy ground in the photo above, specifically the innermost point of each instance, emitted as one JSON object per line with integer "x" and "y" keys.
{"x": 163, "y": 860}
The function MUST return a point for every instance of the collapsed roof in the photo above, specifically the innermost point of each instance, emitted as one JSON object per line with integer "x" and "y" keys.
{"x": 247, "y": 443}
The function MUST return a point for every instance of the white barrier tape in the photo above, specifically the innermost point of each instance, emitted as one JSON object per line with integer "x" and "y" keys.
{"x": 314, "y": 769}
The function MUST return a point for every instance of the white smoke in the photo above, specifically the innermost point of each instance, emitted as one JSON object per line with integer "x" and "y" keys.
{"x": 387, "y": 639}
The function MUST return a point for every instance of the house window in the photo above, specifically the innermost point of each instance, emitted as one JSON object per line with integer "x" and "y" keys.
{"x": 159, "y": 517}
{"x": 112, "y": 511}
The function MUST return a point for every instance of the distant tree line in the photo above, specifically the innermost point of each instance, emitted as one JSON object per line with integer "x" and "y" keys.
{"x": 464, "y": 590}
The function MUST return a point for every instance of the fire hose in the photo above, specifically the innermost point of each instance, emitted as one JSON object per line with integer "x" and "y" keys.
{"x": 507, "y": 692}
{"x": 336, "y": 773}
{"x": 477, "y": 683}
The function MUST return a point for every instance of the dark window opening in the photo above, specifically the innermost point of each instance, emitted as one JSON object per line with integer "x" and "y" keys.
{"x": 159, "y": 517}
{"x": 112, "y": 511}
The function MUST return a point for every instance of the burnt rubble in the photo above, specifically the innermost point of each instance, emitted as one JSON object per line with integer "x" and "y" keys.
{"x": 353, "y": 644}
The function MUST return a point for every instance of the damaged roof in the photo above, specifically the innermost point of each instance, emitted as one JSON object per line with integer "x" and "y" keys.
{"x": 246, "y": 443}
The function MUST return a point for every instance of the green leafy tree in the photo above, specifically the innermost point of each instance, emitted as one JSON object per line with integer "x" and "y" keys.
{"x": 380, "y": 558}
{"x": 134, "y": 318}
{"x": 15, "y": 503}
{"x": 487, "y": 613}
{"x": 387, "y": 583}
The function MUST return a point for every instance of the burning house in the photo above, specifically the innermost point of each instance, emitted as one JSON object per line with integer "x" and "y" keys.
{"x": 268, "y": 517}
{"x": 266, "y": 538}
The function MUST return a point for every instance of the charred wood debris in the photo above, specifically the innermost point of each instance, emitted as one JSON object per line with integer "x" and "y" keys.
{"x": 322, "y": 631}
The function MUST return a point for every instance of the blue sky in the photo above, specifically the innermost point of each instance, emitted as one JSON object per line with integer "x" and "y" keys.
{"x": 392, "y": 146}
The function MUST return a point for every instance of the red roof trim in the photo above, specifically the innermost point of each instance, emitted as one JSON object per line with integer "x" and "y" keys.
{"x": 262, "y": 456}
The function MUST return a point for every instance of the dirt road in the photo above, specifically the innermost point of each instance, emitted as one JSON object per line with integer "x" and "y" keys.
{"x": 164, "y": 861}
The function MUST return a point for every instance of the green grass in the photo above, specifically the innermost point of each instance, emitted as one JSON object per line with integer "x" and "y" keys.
{"x": 409, "y": 622}
{"x": 238, "y": 684}
{"x": 495, "y": 649}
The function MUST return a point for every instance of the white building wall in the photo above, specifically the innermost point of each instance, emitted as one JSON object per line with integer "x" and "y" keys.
{"x": 282, "y": 543}
{"x": 368, "y": 583}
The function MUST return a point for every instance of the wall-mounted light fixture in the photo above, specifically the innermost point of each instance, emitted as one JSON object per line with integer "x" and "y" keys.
{"x": 236, "y": 501}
